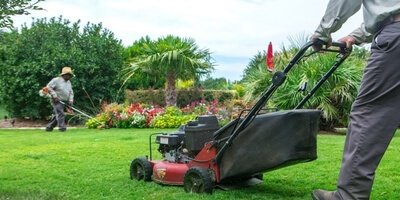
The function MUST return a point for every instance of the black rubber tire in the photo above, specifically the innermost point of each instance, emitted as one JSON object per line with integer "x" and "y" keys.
{"x": 198, "y": 180}
{"x": 259, "y": 176}
{"x": 141, "y": 169}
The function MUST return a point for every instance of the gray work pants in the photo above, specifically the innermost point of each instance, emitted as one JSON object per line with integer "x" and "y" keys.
{"x": 374, "y": 117}
{"x": 59, "y": 117}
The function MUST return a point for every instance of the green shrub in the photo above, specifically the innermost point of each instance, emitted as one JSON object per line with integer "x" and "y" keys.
{"x": 105, "y": 118}
{"x": 171, "y": 121}
{"x": 172, "y": 118}
{"x": 31, "y": 57}
{"x": 93, "y": 123}
{"x": 240, "y": 90}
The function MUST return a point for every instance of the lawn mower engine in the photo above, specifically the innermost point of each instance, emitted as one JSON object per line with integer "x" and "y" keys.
{"x": 186, "y": 143}
{"x": 179, "y": 148}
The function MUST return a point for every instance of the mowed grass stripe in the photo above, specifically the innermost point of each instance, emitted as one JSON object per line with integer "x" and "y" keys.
{"x": 94, "y": 164}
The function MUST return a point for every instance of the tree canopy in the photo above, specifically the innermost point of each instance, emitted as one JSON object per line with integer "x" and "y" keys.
{"x": 9, "y": 8}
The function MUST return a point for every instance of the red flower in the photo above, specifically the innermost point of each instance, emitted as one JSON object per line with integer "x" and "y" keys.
{"x": 270, "y": 58}
{"x": 135, "y": 107}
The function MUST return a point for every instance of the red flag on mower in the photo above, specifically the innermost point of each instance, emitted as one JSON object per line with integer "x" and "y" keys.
{"x": 270, "y": 58}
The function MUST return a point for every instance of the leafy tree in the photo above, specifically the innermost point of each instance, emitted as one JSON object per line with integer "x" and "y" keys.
{"x": 10, "y": 8}
{"x": 216, "y": 83}
{"x": 31, "y": 57}
{"x": 335, "y": 96}
{"x": 171, "y": 58}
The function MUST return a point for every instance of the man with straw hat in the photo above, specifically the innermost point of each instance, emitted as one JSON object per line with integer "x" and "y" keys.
{"x": 60, "y": 89}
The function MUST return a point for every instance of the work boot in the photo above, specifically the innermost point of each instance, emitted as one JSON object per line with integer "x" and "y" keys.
{"x": 323, "y": 195}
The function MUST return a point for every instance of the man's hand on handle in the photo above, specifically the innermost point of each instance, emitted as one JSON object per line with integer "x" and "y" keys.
{"x": 56, "y": 99}
{"x": 349, "y": 40}
{"x": 319, "y": 43}
{"x": 69, "y": 110}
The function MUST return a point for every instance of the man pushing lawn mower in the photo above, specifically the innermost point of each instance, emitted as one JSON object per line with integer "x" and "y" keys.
{"x": 375, "y": 114}
{"x": 60, "y": 91}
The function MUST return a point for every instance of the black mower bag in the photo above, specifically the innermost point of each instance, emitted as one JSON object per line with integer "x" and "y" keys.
{"x": 271, "y": 141}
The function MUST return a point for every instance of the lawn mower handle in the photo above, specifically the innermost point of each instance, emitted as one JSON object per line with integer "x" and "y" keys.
{"x": 341, "y": 45}
{"x": 319, "y": 42}
{"x": 279, "y": 78}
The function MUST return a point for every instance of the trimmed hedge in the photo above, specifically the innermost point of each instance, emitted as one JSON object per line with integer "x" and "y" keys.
{"x": 152, "y": 97}
{"x": 185, "y": 97}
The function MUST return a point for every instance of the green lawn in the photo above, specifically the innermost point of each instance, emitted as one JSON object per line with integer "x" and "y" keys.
{"x": 94, "y": 164}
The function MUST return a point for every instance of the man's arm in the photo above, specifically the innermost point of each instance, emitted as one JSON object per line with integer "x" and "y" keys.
{"x": 361, "y": 35}
{"x": 51, "y": 85}
{"x": 358, "y": 36}
{"x": 336, "y": 14}
{"x": 71, "y": 97}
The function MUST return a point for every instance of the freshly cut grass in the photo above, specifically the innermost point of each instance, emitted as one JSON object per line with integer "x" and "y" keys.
{"x": 94, "y": 164}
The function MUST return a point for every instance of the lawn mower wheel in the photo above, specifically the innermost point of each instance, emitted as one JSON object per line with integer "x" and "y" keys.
{"x": 198, "y": 180}
{"x": 141, "y": 169}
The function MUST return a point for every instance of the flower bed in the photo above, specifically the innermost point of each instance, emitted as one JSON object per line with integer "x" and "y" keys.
{"x": 138, "y": 115}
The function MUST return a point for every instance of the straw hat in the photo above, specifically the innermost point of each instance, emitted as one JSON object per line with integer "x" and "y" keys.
{"x": 66, "y": 70}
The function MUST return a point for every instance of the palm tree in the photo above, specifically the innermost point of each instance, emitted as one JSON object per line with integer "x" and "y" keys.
{"x": 146, "y": 79}
{"x": 172, "y": 58}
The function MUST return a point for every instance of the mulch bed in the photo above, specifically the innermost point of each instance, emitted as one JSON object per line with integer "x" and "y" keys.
{"x": 19, "y": 123}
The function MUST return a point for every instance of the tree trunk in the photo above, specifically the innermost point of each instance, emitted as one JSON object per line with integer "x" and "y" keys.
{"x": 170, "y": 90}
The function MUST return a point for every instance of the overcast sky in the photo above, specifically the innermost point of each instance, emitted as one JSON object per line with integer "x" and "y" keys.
{"x": 233, "y": 30}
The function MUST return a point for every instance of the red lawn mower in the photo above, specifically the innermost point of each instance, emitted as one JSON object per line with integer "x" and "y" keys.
{"x": 201, "y": 155}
